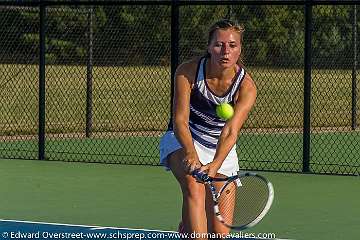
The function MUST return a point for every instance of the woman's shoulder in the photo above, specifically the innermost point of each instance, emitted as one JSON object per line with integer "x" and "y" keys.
{"x": 189, "y": 66}
{"x": 248, "y": 83}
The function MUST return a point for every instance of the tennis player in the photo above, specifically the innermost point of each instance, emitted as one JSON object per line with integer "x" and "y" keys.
{"x": 196, "y": 137}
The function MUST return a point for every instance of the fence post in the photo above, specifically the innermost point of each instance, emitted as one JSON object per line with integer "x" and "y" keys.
{"x": 354, "y": 83}
{"x": 307, "y": 86}
{"x": 41, "y": 140}
{"x": 89, "y": 75}
{"x": 175, "y": 33}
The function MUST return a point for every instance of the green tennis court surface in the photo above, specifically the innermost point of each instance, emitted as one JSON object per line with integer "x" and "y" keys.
{"x": 320, "y": 207}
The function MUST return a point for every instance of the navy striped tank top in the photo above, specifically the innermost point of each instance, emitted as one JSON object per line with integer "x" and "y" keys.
{"x": 205, "y": 125}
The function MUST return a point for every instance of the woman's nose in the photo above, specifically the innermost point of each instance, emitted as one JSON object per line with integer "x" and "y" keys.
{"x": 225, "y": 48}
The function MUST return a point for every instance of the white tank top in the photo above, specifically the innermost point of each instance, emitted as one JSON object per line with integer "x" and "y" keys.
{"x": 205, "y": 125}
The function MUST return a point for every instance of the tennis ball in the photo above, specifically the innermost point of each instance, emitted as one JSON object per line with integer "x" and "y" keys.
{"x": 224, "y": 111}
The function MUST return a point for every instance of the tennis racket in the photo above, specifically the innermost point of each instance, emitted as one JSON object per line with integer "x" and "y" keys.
{"x": 249, "y": 196}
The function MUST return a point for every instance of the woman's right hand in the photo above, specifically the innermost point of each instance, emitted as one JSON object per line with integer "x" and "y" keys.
{"x": 191, "y": 162}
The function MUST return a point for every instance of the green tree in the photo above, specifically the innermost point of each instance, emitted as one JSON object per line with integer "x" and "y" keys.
{"x": 331, "y": 36}
{"x": 66, "y": 33}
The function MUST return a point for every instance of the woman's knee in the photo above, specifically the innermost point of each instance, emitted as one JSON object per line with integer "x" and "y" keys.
{"x": 192, "y": 189}
{"x": 189, "y": 186}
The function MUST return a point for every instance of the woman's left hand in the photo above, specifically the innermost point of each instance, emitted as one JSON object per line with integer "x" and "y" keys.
{"x": 210, "y": 169}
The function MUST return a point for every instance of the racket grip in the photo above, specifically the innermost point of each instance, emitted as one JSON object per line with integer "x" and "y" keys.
{"x": 200, "y": 176}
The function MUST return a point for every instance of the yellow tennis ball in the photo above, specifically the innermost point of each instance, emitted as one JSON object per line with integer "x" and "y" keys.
{"x": 224, "y": 111}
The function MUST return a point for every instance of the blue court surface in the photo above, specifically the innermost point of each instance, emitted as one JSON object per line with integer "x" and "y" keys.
{"x": 12, "y": 229}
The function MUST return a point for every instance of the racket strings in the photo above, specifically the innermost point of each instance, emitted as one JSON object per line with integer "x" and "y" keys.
{"x": 239, "y": 206}
{"x": 226, "y": 203}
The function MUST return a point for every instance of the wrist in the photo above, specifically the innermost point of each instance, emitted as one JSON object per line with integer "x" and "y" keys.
{"x": 189, "y": 151}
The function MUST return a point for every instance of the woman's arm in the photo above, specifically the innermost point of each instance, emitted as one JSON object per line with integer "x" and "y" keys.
{"x": 181, "y": 110}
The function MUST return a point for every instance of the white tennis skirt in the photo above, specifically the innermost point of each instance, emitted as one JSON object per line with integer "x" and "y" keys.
{"x": 169, "y": 144}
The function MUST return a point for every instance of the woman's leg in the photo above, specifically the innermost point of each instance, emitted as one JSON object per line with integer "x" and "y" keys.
{"x": 193, "y": 209}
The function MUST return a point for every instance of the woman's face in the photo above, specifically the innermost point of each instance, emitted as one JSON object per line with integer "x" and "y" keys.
{"x": 225, "y": 47}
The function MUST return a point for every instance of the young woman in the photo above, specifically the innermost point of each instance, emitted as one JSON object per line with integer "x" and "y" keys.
{"x": 197, "y": 138}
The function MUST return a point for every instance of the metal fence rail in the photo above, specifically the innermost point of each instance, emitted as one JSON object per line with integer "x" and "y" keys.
{"x": 91, "y": 80}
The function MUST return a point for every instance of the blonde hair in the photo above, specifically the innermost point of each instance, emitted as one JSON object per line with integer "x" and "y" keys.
{"x": 225, "y": 24}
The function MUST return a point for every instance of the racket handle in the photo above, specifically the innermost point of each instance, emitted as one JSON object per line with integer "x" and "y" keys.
{"x": 200, "y": 176}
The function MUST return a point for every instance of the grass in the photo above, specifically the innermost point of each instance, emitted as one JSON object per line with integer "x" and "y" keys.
{"x": 305, "y": 206}
{"x": 124, "y": 99}
{"x": 280, "y": 98}
{"x": 138, "y": 98}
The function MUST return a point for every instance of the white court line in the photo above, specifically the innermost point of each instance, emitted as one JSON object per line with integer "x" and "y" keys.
{"x": 92, "y": 227}
{"x": 102, "y": 228}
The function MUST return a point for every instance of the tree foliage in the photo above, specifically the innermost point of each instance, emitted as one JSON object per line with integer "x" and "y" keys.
{"x": 140, "y": 35}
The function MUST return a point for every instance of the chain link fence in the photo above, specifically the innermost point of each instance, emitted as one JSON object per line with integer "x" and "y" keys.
{"x": 108, "y": 81}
